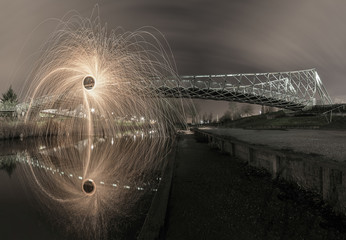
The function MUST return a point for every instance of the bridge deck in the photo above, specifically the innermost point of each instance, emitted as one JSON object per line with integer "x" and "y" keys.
{"x": 225, "y": 95}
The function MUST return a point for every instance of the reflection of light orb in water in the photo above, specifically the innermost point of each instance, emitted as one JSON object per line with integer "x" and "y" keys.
{"x": 89, "y": 187}
{"x": 127, "y": 67}
{"x": 89, "y": 83}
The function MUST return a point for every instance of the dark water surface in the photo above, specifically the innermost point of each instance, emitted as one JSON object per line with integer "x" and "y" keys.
{"x": 41, "y": 194}
{"x": 19, "y": 219}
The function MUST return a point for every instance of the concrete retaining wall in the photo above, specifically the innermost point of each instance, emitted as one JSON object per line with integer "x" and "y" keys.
{"x": 153, "y": 226}
{"x": 311, "y": 172}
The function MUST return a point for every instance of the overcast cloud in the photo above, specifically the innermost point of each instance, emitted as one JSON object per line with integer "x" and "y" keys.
{"x": 206, "y": 37}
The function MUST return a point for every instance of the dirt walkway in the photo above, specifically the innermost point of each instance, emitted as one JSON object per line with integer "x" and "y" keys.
{"x": 217, "y": 197}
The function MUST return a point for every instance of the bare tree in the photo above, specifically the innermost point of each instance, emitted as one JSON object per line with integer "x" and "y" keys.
{"x": 196, "y": 113}
{"x": 227, "y": 116}
{"x": 205, "y": 117}
{"x": 247, "y": 109}
{"x": 234, "y": 110}
{"x": 210, "y": 117}
{"x": 192, "y": 111}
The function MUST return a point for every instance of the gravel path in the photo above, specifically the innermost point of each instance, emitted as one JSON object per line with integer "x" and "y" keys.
{"x": 215, "y": 196}
{"x": 330, "y": 144}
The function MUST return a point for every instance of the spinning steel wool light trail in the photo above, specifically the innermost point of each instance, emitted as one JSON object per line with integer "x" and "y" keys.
{"x": 93, "y": 82}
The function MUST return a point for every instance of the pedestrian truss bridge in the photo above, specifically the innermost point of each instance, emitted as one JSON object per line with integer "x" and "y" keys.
{"x": 293, "y": 90}
{"x": 290, "y": 90}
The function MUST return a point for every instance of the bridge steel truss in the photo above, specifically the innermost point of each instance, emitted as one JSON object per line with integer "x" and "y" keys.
{"x": 290, "y": 90}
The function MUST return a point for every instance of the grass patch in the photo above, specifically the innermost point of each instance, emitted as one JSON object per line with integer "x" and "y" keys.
{"x": 281, "y": 120}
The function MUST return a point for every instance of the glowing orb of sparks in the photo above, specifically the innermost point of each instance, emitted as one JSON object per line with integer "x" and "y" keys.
{"x": 89, "y": 187}
{"x": 94, "y": 82}
{"x": 89, "y": 83}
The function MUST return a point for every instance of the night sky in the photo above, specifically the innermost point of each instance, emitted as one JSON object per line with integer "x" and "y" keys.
{"x": 206, "y": 37}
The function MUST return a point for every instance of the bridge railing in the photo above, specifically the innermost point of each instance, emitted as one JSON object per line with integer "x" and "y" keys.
{"x": 298, "y": 87}
{"x": 291, "y": 90}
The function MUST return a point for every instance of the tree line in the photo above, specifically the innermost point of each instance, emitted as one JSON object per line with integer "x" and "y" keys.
{"x": 235, "y": 111}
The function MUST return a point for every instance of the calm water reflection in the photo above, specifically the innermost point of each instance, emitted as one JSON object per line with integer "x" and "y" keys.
{"x": 41, "y": 188}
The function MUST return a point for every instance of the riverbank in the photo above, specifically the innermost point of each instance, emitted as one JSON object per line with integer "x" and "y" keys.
{"x": 215, "y": 196}
{"x": 296, "y": 120}
{"x": 327, "y": 144}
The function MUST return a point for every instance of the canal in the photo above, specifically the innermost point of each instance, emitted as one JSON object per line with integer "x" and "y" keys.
{"x": 42, "y": 192}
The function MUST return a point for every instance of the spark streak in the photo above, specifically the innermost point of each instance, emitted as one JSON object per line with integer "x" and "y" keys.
{"x": 94, "y": 83}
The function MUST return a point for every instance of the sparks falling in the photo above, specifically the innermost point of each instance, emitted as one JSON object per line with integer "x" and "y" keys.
{"x": 94, "y": 84}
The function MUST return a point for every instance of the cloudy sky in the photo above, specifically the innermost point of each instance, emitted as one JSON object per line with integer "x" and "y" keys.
{"x": 206, "y": 36}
